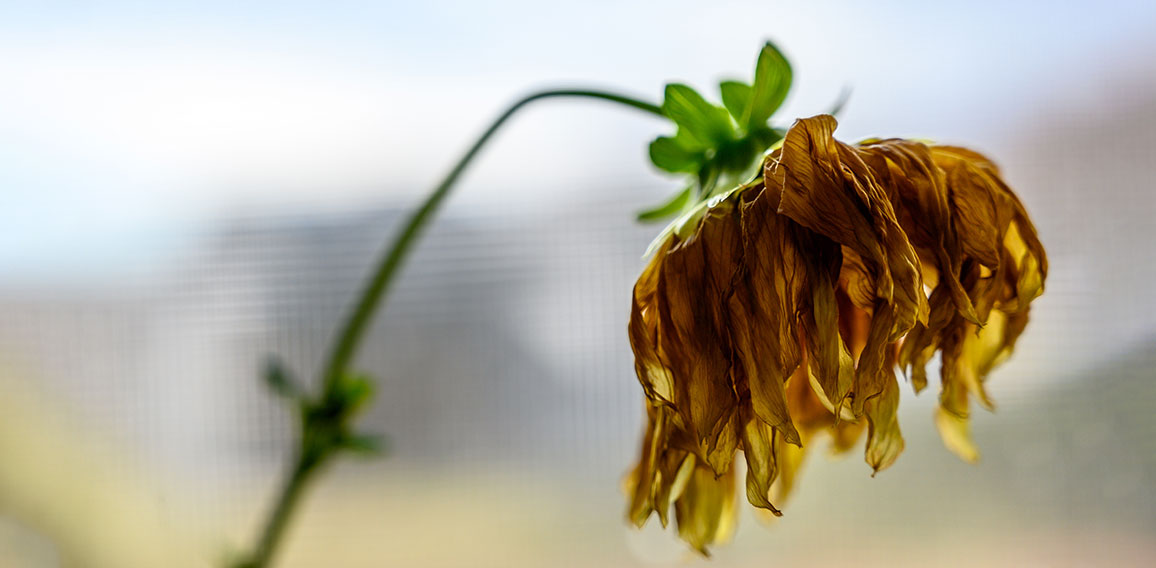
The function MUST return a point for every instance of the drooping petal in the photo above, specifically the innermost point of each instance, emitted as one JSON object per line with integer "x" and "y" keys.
{"x": 828, "y": 188}
{"x": 1021, "y": 228}
{"x": 762, "y": 311}
{"x": 917, "y": 188}
{"x": 657, "y": 380}
{"x": 693, "y": 324}
{"x": 921, "y": 343}
{"x": 969, "y": 354}
{"x": 845, "y": 435}
{"x": 759, "y": 443}
{"x": 829, "y": 360}
{"x": 789, "y": 458}
{"x": 641, "y": 480}
{"x": 705, "y": 512}
{"x": 674, "y": 470}
{"x": 812, "y": 418}
{"x": 978, "y": 207}
{"x": 884, "y": 441}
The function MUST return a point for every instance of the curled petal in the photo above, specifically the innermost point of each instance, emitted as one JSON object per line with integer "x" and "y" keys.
{"x": 825, "y": 186}
{"x": 917, "y": 189}
{"x": 759, "y": 443}
{"x": 978, "y": 206}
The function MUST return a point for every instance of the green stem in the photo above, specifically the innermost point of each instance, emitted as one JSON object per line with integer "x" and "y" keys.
{"x": 291, "y": 492}
{"x": 354, "y": 328}
{"x": 379, "y": 284}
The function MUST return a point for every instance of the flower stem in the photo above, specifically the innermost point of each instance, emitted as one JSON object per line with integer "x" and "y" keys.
{"x": 310, "y": 459}
{"x": 291, "y": 493}
{"x": 382, "y": 278}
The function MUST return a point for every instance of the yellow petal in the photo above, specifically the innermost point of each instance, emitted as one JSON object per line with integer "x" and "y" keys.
{"x": 706, "y": 510}
{"x": 673, "y": 474}
{"x": 790, "y": 461}
{"x": 641, "y": 480}
{"x": 956, "y": 434}
{"x": 759, "y": 442}
{"x": 884, "y": 441}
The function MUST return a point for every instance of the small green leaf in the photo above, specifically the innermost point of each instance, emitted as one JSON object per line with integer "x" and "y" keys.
{"x": 364, "y": 444}
{"x": 772, "y": 82}
{"x": 278, "y": 380}
{"x": 736, "y": 97}
{"x": 668, "y": 153}
{"x": 355, "y": 391}
{"x": 705, "y": 125}
{"x": 672, "y": 207}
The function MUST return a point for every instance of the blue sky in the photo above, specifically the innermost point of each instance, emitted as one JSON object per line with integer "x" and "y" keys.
{"x": 126, "y": 125}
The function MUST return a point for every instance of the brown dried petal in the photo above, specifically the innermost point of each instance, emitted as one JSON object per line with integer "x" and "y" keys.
{"x": 640, "y": 481}
{"x": 693, "y": 281}
{"x": 826, "y": 187}
{"x": 828, "y": 358}
{"x": 657, "y": 380}
{"x": 759, "y": 443}
{"x": 762, "y": 312}
{"x": 884, "y": 441}
{"x": 981, "y": 213}
{"x": 918, "y": 191}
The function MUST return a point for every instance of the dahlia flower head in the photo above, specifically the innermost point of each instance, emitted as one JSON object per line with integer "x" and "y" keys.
{"x": 783, "y": 309}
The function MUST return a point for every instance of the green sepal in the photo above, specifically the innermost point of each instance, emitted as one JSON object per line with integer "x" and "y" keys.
{"x": 736, "y": 97}
{"x": 772, "y": 82}
{"x": 670, "y": 153}
{"x": 668, "y": 209}
{"x": 705, "y": 125}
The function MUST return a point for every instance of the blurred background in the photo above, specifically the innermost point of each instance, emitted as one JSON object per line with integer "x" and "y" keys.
{"x": 187, "y": 187}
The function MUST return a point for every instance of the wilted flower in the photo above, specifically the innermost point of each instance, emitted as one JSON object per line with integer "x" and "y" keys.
{"x": 784, "y": 311}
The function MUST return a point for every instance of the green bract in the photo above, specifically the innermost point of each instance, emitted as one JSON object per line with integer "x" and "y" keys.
{"x": 719, "y": 146}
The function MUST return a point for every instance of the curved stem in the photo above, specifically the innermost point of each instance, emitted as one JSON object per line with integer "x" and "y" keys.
{"x": 355, "y": 326}
{"x": 379, "y": 284}
{"x": 291, "y": 491}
